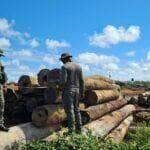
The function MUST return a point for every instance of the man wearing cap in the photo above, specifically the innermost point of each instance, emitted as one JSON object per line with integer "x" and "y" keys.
{"x": 3, "y": 79}
{"x": 73, "y": 89}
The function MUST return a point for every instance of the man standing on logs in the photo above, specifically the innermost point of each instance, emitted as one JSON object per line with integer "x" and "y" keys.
{"x": 3, "y": 79}
{"x": 73, "y": 89}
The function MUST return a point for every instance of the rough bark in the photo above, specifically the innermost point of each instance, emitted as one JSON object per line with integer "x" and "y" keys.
{"x": 24, "y": 133}
{"x": 95, "y": 84}
{"x": 27, "y": 81}
{"x": 118, "y": 134}
{"x": 43, "y": 77}
{"x": 94, "y": 112}
{"x": 101, "y": 127}
{"x": 99, "y": 77}
{"x": 95, "y": 97}
{"x": 50, "y": 114}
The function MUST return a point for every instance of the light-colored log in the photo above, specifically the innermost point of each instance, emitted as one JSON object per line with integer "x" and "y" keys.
{"x": 100, "y": 78}
{"x": 118, "y": 134}
{"x": 94, "y": 112}
{"x": 101, "y": 127}
{"x": 50, "y": 114}
{"x": 95, "y": 84}
{"x": 95, "y": 97}
{"x": 24, "y": 133}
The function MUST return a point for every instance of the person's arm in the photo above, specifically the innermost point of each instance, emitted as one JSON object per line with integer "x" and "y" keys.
{"x": 63, "y": 76}
{"x": 81, "y": 82}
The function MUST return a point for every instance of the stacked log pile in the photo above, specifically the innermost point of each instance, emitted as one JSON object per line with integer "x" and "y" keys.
{"x": 105, "y": 112}
{"x": 30, "y": 93}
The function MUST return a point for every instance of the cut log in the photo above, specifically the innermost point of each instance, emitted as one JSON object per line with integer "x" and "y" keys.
{"x": 95, "y": 84}
{"x": 43, "y": 77}
{"x": 27, "y": 81}
{"x": 101, "y": 78}
{"x": 50, "y": 114}
{"x": 118, "y": 134}
{"x": 142, "y": 116}
{"x": 94, "y": 112}
{"x": 107, "y": 123}
{"x": 135, "y": 128}
{"x": 95, "y": 97}
{"x": 24, "y": 133}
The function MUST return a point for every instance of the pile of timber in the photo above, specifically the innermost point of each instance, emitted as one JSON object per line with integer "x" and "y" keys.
{"x": 29, "y": 93}
{"x": 105, "y": 112}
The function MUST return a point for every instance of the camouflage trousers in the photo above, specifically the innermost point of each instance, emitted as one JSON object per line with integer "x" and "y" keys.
{"x": 70, "y": 100}
{"x": 1, "y": 105}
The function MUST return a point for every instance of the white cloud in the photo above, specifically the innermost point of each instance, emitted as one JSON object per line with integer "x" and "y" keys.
{"x": 4, "y": 43}
{"x": 112, "y": 36}
{"x": 6, "y": 28}
{"x": 130, "y": 53}
{"x": 54, "y": 44}
{"x": 34, "y": 43}
{"x": 49, "y": 59}
{"x": 148, "y": 55}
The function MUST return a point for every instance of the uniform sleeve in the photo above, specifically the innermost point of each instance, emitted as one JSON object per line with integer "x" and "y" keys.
{"x": 81, "y": 82}
{"x": 63, "y": 75}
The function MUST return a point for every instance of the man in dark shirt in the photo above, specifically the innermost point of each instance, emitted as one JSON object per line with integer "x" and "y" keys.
{"x": 73, "y": 89}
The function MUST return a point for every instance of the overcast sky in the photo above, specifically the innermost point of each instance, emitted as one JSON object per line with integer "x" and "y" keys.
{"x": 102, "y": 35}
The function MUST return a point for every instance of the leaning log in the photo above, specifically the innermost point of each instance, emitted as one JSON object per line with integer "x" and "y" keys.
{"x": 50, "y": 114}
{"x": 27, "y": 81}
{"x": 43, "y": 77}
{"x": 95, "y": 97}
{"x": 94, "y": 112}
{"x": 24, "y": 133}
{"x": 94, "y": 84}
{"x": 118, "y": 134}
{"x": 107, "y": 123}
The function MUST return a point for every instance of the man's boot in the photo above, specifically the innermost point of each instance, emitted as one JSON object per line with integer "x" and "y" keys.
{"x": 3, "y": 128}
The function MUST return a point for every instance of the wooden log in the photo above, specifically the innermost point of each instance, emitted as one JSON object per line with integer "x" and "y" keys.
{"x": 95, "y": 84}
{"x": 24, "y": 133}
{"x": 43, "y": 77}
{"x": 95, "y": 97}
{"x": 135, "y": 128}
{"x": 27, "y": 81}
{"x": 50, "y": 114}
{"x": 142, "y": 116}
{"x": 94, "y": 112}
{"x": 107, "y": 123}
{"x": 99, "y": 77}
{"x": 118, "y": 134}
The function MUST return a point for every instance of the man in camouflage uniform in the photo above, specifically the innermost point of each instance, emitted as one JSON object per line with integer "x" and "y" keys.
{"x": 3, "y": 79}
{"x": 73, "y": 89}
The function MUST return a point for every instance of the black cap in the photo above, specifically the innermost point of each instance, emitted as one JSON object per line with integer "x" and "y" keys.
{"x": 65, "y": 55}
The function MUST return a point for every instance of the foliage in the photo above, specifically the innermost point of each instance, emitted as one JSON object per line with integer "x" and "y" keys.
{"x": 139, "y": 140}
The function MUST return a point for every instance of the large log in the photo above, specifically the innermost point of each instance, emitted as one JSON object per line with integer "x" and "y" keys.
{"x": 50, "y": 114}
{"x": 95, "y": 84}
{"x": 95, "y": 97}
{"x": 94, "y": 112}
{"x": 27, "y": 81}
{"x": 107, "y": 123}
{"x": 24, "y": 133}
{"x": 100, "y": 78}
{"x": 43, "y": 77}
{"x": 118, "y": 134}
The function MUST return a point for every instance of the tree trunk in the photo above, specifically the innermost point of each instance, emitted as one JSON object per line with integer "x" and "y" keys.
{"x": 95, "y": 97}
{"x": 104, "y": 125}
{"x": 118, "y": 134}
{"x": 50, "y": 114}
{"x": 94, "y": 112}
{"x": 27, "y": 81}
{"x": 24, "y": 133}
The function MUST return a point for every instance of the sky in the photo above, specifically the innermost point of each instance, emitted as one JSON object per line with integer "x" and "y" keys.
{"x": 104, "y": 36}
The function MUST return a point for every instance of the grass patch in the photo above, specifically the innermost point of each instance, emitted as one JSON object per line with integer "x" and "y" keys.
{"x": 139, "y": 140}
